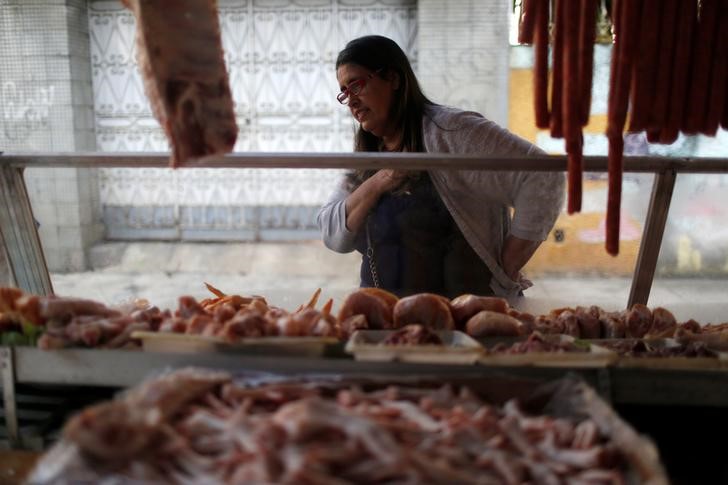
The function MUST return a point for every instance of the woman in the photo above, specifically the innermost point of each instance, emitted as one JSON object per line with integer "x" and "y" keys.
{"x": 445, "y": 232}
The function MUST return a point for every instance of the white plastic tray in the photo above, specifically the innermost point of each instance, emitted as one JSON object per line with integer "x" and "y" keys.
{"x": 594, "y": 356}
{"x": 284, "y": 346}
{"x": 457, "y": 348}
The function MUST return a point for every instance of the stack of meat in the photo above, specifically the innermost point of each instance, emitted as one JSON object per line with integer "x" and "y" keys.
{"x": 481, "y": 316}
{"x": 67, "y": 322}
{"x": 19, "y": 324}
{"x": 637, "y": 322}
{"x": 75, "y": 322}
{"x": 594, "y": 322}
{"x": 234, "y": 317}
{"x": 201, "y": 427}
{"x": 376, "y": 309}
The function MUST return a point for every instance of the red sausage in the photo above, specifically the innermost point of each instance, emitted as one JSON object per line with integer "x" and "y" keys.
{"x": 680, "y": 69}
{"x": 614, "y": 193}
{"x": 541, "y": 64}
{"x": 658, "y": 113}
{"x": 587, "y": 36}
{"x": 575, "y": 169}
{"x": 699, "y": 73}
{"x": 724, "y": 121}
{"x": 527, "y": 21}
{"x": 571, "y": 121}
{"x": 621, "y": 72}
{"x": 572, "y": 113}
{"x": 557, "y": 71}
{"x": 645, "y": 68}
{"x": 718, "y": 74}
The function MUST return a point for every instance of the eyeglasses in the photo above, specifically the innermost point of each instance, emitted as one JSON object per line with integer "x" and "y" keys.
{"x": 354, "y": 88}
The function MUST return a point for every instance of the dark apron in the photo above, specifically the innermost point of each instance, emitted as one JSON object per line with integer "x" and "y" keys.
{"x": 419, "y": 248}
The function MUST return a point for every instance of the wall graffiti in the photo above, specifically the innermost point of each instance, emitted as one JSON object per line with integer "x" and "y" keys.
{"x": 25, "y": 108}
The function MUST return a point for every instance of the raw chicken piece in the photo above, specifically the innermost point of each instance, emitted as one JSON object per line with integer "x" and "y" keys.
{"x": 465, "y": 306}
{"x": 428, "y": 309}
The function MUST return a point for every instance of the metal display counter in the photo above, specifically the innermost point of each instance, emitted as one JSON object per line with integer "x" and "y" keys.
{"x": 125, "y": 368}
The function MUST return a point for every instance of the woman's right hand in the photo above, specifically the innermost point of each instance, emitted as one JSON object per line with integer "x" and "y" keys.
{"x": 389, "y": 179}
{"x": 366, "y": 196}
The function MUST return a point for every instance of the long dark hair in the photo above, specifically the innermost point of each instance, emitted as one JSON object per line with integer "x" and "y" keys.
{"x": 383, "y": 55}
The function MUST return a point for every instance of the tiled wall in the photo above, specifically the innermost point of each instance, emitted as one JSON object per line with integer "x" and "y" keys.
{"x": 280, "y": 55}
{"x": 463, "y": 54}
{"x": 47, "y": 105}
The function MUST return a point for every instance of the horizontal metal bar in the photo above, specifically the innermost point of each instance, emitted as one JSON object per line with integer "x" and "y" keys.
{"x": 107, "y": 367}
{"x": 404, "y": 161}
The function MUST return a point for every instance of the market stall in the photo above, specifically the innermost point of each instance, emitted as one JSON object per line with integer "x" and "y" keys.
{"x": 693, "y": 390}
{"x": 418, "y": 389}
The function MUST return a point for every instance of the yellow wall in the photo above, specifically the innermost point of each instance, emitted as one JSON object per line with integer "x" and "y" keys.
{"x": 575, "y": 252}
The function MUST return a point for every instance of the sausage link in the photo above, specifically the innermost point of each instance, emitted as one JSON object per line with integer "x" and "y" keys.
{"x": 645, "y": 69}
{"x": 699, "y": 73}
{"x": 575, "y": 170}
{"x": 557, "y": 70}
{"x": 718, "y": 74}
{"x": 658, "y": 113}
{"x": 527, "y": 21}
{"x": 614, "y": 193}
{"x": 623, "y": 54}
{"x": 587, "y": 36}
{"x": 621, "y": 70}
{"x": 541, "y": 64}
{"x": 724, "y": 121}
{"x": 678, "y": 87}
{"x": 571, "y": 106}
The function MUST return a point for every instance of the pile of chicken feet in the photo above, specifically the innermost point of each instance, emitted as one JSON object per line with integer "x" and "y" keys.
{"x": 196, "y": 426}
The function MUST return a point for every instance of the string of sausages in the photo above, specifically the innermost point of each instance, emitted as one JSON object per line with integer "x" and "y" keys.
{"x": 668, "y": 74}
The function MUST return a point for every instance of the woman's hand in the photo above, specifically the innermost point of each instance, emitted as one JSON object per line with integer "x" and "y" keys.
{"x": 389, "y": 179}
{"x": 516, "y": 253}
{"x": 361, "y": 201}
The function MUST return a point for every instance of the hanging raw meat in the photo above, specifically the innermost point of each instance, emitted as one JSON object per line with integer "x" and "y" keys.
{"x": 180, "y": 55}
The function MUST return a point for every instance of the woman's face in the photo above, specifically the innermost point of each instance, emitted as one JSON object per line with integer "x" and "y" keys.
{"x": 371, "y": 107}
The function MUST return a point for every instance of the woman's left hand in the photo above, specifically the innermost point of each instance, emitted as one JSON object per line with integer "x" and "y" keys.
{"x": 522, "y": 281}
{"x": 516, "y": 253}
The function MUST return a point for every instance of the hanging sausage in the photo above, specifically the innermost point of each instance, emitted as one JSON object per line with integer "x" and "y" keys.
{"x": 669, "y": 72}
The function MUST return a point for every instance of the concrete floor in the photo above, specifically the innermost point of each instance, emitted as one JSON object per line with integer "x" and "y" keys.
{"x": 288, "y": 273}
